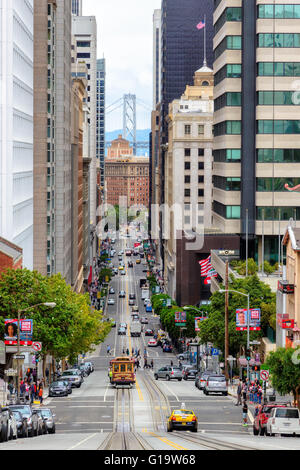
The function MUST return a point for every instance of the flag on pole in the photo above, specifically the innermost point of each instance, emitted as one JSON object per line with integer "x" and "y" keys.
{"x": 205, "y": 266}
{"x": 201, "y": 25}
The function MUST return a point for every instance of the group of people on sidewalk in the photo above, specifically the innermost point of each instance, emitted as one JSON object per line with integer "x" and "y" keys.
{"x": 30, "y": 390}
{"x": 251, "y": 391}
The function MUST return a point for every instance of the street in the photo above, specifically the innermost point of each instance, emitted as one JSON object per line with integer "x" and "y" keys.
{"x": 100, "y": 417}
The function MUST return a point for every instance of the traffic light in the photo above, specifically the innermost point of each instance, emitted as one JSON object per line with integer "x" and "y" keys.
{"x": 37, "y": 358}
{"x": 248, "y": 354}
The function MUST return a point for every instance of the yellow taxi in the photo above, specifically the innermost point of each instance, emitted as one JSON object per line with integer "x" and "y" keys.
{"x": 138, "y": 261}
{"x": 182, "y": 419}
{"x": 121, "y": 268}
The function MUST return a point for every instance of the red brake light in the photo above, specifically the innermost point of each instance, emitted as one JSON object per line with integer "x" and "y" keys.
{"x": 172, "y": 373}
{"x": 173, "y": 418}
{"x": 194, "y": 418}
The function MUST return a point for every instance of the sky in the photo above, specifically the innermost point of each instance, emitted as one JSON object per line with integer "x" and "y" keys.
{"x": 125, "y": 40}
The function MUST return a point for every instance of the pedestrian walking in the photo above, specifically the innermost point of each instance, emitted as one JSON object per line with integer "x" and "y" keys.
{"x": 145, "y": 364}
{"x": 32, "y": 392}
{"x": 152, "y": 364}
{"x": 108, "y": 350}
{"x": 41, "y": 394}
{"x": 127, "y": 352}
{"x": 244, "y": 392}
{"x": 245, "y": 413}
{"x": 27, "y": 397}
{"x": 171, "y": 363}
{"x": 239, "y": 394}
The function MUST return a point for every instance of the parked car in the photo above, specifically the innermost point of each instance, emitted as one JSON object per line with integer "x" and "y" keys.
{"x": 189, "y": 373}
{"x": 123, "y": 273}
{"x": 144, "y": 321}
{"x": 86, "y": 369}
{"x": 169, "y": 373}
{"x": 260, "y": 421}
{"x": 4, "y": 425}
{"x": 216, "y": 384}
{"x": 149, "y": 308}
{"x": 48, "y": 420}
{"x": 111, "y": 290}
{"x": 22, "y": 426}
{"x": 59, "y": 388}
{"x": 34, "y": 422}
{"x": 152, "y": 342}
{"x": 111, "y": 302}
{"x": 91, "y": 364}
{"x": 146, "y": 302}
{"x": 73, "y": 376}
{"x": 283, "y": 420}
{"x": 184, "y": 356}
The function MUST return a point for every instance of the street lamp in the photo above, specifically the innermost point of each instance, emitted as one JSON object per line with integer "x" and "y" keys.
{"x": 248, "y": 322}
{"x": 46, "y": 304}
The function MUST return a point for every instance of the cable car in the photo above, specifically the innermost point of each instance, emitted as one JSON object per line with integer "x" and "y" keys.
{"x": 122, "y": 371}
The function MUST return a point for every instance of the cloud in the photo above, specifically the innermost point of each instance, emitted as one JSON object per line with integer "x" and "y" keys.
{"x": 125, "y": 38}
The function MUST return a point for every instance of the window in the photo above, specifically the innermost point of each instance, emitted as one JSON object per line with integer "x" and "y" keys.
{"x": 275, "y": 184}
{"x": 187, "y": 165}
{"x": 229, "y": 42}
{"x": 278, "y": 155}
{"x": 200, "y": 152}
{"x": 187, "y": 179}
{"x": 279, "y": 98}
{"x": 201, "y": 166}
{"x": 228, "y": 71}
{"x": 83, "y": 43}
{"x": 83, "y": 55}
{"x": 187, "y": 152}
{"x": 278, "y": 127}
{"x": 200, "y": 129}
{"x": 278, "y": 40}
{"x": 200, "y": 192}
{"x": 279, "y": 11}
{"x": 233, "y": 127}
{"x": 187, "y": 129}
{"x": 187, "y": 192}
{"x": 227, "y": 155}
{"x": 200, "y": 179}
{"x": 229, "y": 14}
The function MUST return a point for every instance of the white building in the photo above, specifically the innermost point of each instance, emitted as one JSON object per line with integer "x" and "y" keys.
{"x": 16, "y": 125}
{"x": 84, "y": 28}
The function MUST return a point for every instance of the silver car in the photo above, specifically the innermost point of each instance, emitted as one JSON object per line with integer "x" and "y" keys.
{"x": 216, "y": 384}
{"x": 73, "y": 377}
{"x": 168, "y": 373}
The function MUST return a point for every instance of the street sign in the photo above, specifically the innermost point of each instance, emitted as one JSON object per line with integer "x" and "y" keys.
{"x": 264, "y": 375}
{"x": 19, "y": 356}
{"x": 254, "y": 342}
{"x": 11, "y": 372}
{"x": 37, "y": 346}
{"x": 214, "y": 352}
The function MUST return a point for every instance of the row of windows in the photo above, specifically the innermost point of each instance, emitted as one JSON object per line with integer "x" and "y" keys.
{"x": 279, "y": 126}
{"x": 187, "y": 152}
{"x": 228, "y": 71}
{"x": 279, "y": 69}
{"x": 187, "y": 192}
{"x": 278, "y": 11}
{"x": 278, "y": 155}
{"x": 277, "y": 213}
{"x": 277, "y": 98}
{"x": 187, "y": 179}
{"x": 275, "y": 184}
{"x": 227, "y": 184}
{"x": 227, "y": 212}
{"x": 227, "y": 155}
{"x": 187, "y": 165}
{"x": 228, "y": 99}
{"x": 229, "y": 14}
{"x": 188, "y": 128}
{"x": 229, "y": 42}
{"x": 278, "y": 40}
{"x": 267, "y": 126}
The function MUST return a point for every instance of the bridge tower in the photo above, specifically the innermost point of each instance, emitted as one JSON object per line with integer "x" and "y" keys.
{"x": 129, "y": 119}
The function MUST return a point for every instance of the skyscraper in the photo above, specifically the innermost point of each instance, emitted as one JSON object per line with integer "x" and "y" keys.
{"x": 156, "y": 57}
{"x": 16, "y": 125}
{"x": 77, "y": 7}
{"x": 256, "y": 122}
{"x": 100, "y": 118}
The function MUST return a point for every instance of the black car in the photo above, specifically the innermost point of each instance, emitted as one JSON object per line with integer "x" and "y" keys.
{"x": 149, "y": 332}
{"x": 22, "y": 425}
{"x": 34, "y": 422}
{"x": 59, "y": 388}
{"x": 48, "y": 420}
{"x": 132, "y": 296}
{"x": 130, "y": 264}
{"x": 189, "y": 373}
{"x": 121, "y": 331}
{"x": 4, "y": 425}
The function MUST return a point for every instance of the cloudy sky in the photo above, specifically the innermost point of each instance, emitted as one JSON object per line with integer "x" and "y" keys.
{"x": 125, "y": 40}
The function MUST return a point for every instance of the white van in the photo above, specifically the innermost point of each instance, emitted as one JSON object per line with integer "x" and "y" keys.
{"x": 283, "y": 421}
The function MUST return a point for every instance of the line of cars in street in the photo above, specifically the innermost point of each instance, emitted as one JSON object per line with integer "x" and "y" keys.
{"x": 71, "y": 378}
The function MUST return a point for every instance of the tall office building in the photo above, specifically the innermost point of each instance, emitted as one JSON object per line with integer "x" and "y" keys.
{"x": 156, "y": 57}
{"x": 100, "y": 120}
{"x": 256, "y": 121}
{"x": 84, "y": 28}
{"x": 77, "y": 7}
{"x": 16, "y": 125}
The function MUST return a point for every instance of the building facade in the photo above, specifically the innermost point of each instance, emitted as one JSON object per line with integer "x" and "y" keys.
{"x": 126, "y": 175}
{"x": 11, "y": 256}
{"x": 188, "y": 170}
{"x": 84, "y": 29}
{"x": 77, "y": 7}
{"x": 256, "y": 121}
{"x": 100, "y": 120}
{"x": 16, "y": 125}
{"x": 156, "y": 57}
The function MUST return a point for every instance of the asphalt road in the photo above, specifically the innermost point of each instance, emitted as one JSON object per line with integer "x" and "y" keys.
{"x": 86, "y": 419}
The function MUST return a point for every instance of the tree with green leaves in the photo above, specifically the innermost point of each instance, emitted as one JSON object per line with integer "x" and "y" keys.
{"x": 261, "y": 296}
{"x": 285, "y": 371}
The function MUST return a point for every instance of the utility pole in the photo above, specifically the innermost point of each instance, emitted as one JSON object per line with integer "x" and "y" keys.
{"x": 226, "y": 321}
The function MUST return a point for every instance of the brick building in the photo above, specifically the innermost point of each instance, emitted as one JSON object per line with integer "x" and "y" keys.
{"x": 11, "y": 255}
{"x": 126, "y": 175}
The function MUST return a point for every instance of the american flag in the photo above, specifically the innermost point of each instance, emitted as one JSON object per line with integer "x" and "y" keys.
{"x": 201, "y": 25}
{"x": 205, "y": 266}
